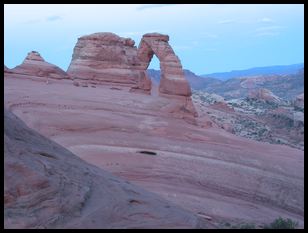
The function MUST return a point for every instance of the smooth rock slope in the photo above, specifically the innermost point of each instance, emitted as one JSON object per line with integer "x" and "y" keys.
{"x": 46, "y": 186}
{"x": 206, "y": 170}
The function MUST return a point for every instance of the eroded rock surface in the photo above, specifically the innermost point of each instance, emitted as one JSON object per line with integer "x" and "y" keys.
{"x": 105, "y": 58}
{"x": 264, "y": 95}
{"x": 172, "y": 81}
{"x": 196, "y": 168}
{"x": 102, "y": 58}
{"x": 35, "y": 66}
{"x": 46, "y": 186}
{"x": 108, "y": 58}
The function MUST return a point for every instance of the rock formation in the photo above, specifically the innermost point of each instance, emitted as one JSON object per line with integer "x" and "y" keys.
{"x": 103, "y": 58}
{"x": 6, "y": 69}
{"x": 107, "y": 58}
{"x": 172, "y": 80}
{"x": 264, "y": 95}
{"x": 35, "y": 66}
{"x": 46, "y": 186}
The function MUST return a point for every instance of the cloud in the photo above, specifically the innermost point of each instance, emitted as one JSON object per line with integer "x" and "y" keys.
{"x": 53, "y": 18}
{"x": 48, "y": 19}
{"x": 268, "y": 28}
{"x": 226, "y": 21}
{"x": 266, "y": 20}
{"x": 148, "y": 6}
{"x": 268, "y": 31}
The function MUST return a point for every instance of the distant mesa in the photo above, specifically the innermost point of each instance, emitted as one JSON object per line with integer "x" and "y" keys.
{"x": 35, "y": 66}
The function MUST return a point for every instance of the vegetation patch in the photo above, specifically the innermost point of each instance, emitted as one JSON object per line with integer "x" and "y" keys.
{"x": 281, "y": 223}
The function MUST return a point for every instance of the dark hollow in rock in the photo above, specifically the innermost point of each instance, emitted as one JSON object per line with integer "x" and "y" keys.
{"x": 133, "y": 201}
{"x": 147, "y": 152}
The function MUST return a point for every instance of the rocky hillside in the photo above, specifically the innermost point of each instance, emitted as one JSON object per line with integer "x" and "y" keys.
{"x": 284, "y": 86}
{"x": 262, "y": 116}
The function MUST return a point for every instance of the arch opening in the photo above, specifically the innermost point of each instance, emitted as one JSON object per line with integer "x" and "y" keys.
{"x": 171, "y": 78}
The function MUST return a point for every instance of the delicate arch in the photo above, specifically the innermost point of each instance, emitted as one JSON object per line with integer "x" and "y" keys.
{"x": 172, "y": 81}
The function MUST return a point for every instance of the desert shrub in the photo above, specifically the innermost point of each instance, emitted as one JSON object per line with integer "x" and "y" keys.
{"x": 227, "y": 224}
{"x": 281, "y": 223}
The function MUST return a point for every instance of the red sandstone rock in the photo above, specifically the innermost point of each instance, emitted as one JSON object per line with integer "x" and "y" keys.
{"x": 46, "y": 186}
{"x": 173, "y": 81}
{"x": 75, "y": 83}
{"x": 35, "y": 66}
{"x": 264, "y": 94}
{"x": 228, "y": 127}
{"x": 6, "y": 69}
{"x": 108, "y": 58}
{"x": 200, "y": 169}
{"x": 104, "y": 58}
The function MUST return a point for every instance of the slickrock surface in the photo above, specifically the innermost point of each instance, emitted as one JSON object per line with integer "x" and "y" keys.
{"x": 46, "y": 186}
{"x": 35, "y": 66}
{"x": 204, "y": 170}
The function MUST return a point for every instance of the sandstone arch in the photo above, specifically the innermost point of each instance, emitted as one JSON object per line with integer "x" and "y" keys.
{"x": 172, "y": 81}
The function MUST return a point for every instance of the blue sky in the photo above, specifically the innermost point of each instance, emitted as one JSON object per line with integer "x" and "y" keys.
{"x": 207, "y": 37}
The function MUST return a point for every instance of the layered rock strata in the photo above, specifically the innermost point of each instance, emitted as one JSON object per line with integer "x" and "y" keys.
{"x": 108, "y": 58}
{"x": 102, "y": 58}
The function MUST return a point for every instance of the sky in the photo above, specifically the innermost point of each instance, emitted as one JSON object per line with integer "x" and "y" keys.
{"x": 207, "y": 38}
